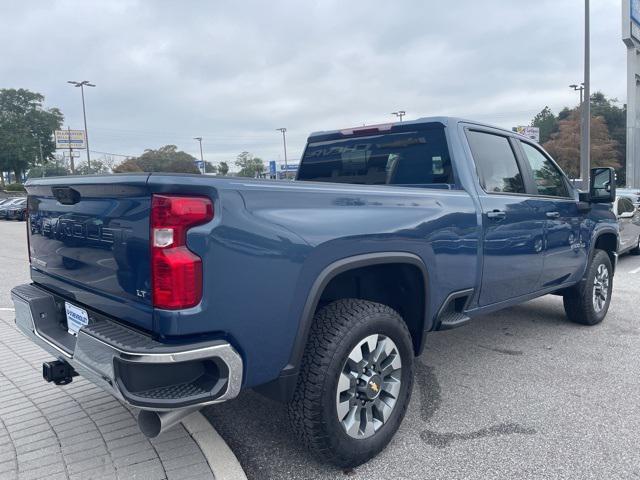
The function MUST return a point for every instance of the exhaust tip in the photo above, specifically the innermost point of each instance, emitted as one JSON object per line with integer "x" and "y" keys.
{"x": 149, "y": 423}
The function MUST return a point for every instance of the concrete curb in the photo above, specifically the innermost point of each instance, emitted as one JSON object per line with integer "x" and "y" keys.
{"x": 221, "y": 459}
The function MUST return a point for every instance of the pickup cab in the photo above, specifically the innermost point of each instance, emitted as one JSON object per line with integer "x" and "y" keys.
{"x": 177, "y": 291}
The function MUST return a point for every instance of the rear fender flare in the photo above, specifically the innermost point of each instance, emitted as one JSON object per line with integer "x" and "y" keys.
{"x": 331, "y": 271}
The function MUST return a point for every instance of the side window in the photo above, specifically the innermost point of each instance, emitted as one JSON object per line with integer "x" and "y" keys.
{"x": 496, "y": 163}
{"x": 548, "y": 179}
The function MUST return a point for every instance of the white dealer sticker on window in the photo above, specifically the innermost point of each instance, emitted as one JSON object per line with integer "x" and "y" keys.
{"x": 76, "y": 317}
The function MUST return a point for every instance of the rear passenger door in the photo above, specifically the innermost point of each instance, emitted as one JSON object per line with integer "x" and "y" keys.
{"x": 565, "y": 253}
{"x": 513, "y": 230}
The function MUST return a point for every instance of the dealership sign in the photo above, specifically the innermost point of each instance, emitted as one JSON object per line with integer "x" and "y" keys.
{"x": 291, "y": 167}
{"x": 70, "y": 139}
{"x": 530, "y": 132}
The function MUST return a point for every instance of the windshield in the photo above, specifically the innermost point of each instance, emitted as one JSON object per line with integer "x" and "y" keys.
{"x": 419, "y": 158}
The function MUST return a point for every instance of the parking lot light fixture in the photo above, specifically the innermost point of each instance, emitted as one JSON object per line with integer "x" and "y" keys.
{"x": 284, "y": 141}
{"x": 399, "y": 114}
{"x": 82, "y": 84}
{"x": 199, "y": 140}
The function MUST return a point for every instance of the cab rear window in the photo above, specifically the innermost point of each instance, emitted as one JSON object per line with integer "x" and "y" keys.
{"x": 419, "y": 158}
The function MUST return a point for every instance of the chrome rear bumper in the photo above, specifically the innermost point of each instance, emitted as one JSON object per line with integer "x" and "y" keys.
{"x": 135, "y": 368}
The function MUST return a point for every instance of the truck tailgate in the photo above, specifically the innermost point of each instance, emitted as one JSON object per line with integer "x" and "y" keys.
{"x": 89, "y": 242}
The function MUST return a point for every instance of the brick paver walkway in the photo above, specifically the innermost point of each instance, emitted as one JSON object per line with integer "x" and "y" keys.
{"x": 77, "y": 431}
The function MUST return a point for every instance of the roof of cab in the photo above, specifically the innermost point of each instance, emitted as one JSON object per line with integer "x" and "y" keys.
{"x": 445, "y": 121}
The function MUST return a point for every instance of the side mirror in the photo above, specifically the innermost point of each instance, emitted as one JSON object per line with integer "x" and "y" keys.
{"x": 602, "y": 186}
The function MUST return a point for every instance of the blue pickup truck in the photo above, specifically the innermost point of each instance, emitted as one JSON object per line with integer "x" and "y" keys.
{"x": 177, "y": 291}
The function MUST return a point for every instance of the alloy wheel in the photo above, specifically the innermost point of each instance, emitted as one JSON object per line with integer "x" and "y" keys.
{"x": 368, "y": 386}
{"x": 600, "y": 288}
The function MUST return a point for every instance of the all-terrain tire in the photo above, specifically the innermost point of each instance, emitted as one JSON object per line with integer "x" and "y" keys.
{"x": 579, "y": 302}
{"x": 337, "y": 329}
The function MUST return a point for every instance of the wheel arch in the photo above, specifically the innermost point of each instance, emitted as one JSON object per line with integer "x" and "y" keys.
{"x": 282, "y": 388}
{"x": 608, "y": 241}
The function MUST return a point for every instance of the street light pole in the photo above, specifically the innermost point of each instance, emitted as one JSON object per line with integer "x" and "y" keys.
{"x": 71, "y": 161}
{"x": 82, "y": 84}
{"x": 585, "y": 141}
{"x": 399, "y": 114}
{"x": 579, "y": 89}
{"x": 284, "y": 142}
{"x": 199, "y": 139}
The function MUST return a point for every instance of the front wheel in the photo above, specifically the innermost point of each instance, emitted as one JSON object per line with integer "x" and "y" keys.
{"x": 588, "y": 302}
{"x": 355, "y": 381}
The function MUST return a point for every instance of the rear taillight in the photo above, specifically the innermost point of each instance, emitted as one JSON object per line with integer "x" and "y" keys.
{"x": 176, "y": 272}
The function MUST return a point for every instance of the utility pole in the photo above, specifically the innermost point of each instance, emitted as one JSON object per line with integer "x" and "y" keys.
{"x": 399, "y": 114}
{"x": 585, "y": 140}
{"x": 199, "y": 139}
{"x": 82, "y": 84}
{"x": 284, "y": 141}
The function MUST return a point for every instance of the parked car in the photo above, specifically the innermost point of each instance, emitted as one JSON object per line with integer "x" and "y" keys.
{"x": 14, "y": 209}
{"x": 629, "y": 221}
{"x": 177, "y": 291}
{"x": 633, "y": 193}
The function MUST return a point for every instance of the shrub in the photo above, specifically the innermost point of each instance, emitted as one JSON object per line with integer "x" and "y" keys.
{"x": 15, "y": 187}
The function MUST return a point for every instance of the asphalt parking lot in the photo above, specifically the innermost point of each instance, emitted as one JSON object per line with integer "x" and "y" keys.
{"x": 518, "y": 394}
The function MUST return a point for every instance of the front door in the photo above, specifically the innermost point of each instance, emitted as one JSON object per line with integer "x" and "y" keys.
{"x": 565, "y": 252}
{"x": 513, "y": 240}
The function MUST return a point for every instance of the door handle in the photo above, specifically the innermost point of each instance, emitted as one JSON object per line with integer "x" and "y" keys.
{"x": 497, "y": 214}
{"x": 553, "y": 214}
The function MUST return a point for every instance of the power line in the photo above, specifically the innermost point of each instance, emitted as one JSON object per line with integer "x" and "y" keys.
{"x": 113, "y": 154}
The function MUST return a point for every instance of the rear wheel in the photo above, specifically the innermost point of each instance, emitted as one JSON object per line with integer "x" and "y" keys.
{"x": 355, "y": 381}
{"x": 636, "y": 251}
{"x": 588, "y": 302}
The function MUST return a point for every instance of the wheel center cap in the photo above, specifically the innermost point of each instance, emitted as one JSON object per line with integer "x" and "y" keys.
{"x": 374, "y": 386}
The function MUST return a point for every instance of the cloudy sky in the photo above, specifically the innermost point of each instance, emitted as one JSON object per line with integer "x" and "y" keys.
{"x": 234, "y": 71}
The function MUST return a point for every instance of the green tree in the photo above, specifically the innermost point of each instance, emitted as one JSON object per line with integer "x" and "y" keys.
{"x": 547, "y": 122}
{"x": 48, "y": 170}
{"x": 97, "y": 167}
{"x": 564, "y": 113}
{"x": 223, "y": 168}
{"x": 210, "y": 168}
{"x": 616, "y": 119}
{"x": 26, "y": 130}
{"x": 164, "y": 159}
{"x": 249, "y": 165}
